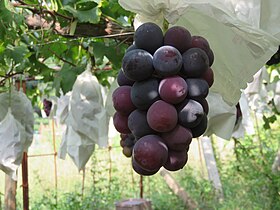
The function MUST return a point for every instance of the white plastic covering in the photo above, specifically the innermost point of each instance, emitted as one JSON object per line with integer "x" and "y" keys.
{"x": 243, "y": 35}
{"x": 245, "y": 125}
{"x": 109, "y": 102}
{"x": 257, "y": 92}
{"x": 16, "y": 130}
{"x": 276, "y": 98}
{"x": 10, "y": 145}
{"x": 86, "y": 119}
{"x": 221, "y": 116}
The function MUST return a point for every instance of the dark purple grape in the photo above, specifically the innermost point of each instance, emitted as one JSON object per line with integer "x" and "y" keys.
{"x": 145, "y": 93}
{"x": 122, "y": 142}
{"x": 131, "y": 47}
{"x": 137, "y": 123}
{"x": 202, "y": 43}
{"x": 178, "y": 37}
{"x": 211, "y": 57}
{"x": 47, "y": 106}
{"x": 123, "y": 80}
{"x": 122, "y": 100}
{"x": 208, "y": 76}
{"x": 173, "y": 89}
{"x": 138, "y": 169}
{"x": 150, "y": 153}
{"x": 178, "y": 139}
{"x": 176, "y": 160}
{"x": 124, "y": 135}
{"x": 162, "y": 116}
{"x": 190, "y": 113}
{"x": 238, "y": 113}
{"x": 120, "y": 123}
{"x": 129, "y": 142}
{"x": 204, "y": 104}
{"x": 197, "y": 88}
{"x": 137, "y": 65}
{"x": 201, "y": 127}
{"x": 127, "y": 151}
{"x": 167, "y": 61}
{"x": 148, "y": 37}
{"x": 195, "y": 63}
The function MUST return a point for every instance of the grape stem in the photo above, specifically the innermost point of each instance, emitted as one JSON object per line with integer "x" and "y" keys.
{"x": 165, "y": 25}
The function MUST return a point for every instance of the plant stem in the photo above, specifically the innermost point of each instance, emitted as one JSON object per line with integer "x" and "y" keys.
{"x": 165, "y": 25}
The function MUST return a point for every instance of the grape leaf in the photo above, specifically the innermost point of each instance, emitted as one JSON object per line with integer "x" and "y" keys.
{"x": 91, "y": 15}
{"x": 58, "y": 48}
{"x": 66, "y": 77}
{"x": 2, "y": 48}
{"x": 5, "y": 15}
{"x": 113, "y": 52}
{"x": 85, "y": 1}
{"x": 68, "y": 2}
{"x": 17, "y": 53}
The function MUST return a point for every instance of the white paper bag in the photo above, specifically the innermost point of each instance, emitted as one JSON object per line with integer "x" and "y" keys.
{"x": 86, "y": 120}
{"x": 11, "y": 144}
{"x": 22, "y": 110}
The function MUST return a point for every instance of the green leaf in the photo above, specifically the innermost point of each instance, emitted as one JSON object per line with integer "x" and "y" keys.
{"x": 58, "y": 48}
{"x": 68, "y": 2}
{"x": 2, "y": 30}
{"x": 86, "y": 1}
{"x": 113, "y": 9}
{"x": 2, "y": 48}
{"x": 67, "y": 76}
{"x": 268, "y": 121}
{"x": 91, "y": 16}
{"x": 5, "y": 14}
{"x": 18, "y": 53}
{"x": 113, "y": 52}
{"x": 266, "y": 125}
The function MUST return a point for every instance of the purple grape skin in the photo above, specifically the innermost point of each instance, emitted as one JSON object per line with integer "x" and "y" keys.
{"x": 178, "y": 37}
{"x": 123, "y": 80}
{"x": 141, "y": 171}
{"x": 131, "y": 47}
{"x": 145, "y": 93}
{"x": 195, "y": 63}
{"x": 200, "y": 128}
{"x": 173, "y": 89}
{"x": 150, "y": 152}
{"x": 137, "y": 65}
{"x": 197, "y": 88}
{"x": 47, "y": 106}
{"x": 178, "y": 139}
{"x": 149, "y": 37}
{"x": 137, "y": 123}
{"x": 167, "y": 61}
{"x": 190, "y": 113}
{"x": 176, "y": 160}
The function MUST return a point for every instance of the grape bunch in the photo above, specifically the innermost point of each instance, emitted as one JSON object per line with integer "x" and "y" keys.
{"x": 47, "y": 106}
{"x": 160, "y": 102}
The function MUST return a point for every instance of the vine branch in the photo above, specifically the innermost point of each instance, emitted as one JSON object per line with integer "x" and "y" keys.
{"x": 106, "y": 28}
{"x": 9, "y": 75}
{"x": 63, "y": 59}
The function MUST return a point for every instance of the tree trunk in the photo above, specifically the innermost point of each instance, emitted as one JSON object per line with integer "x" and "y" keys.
{"x": 10, "y": 193}
{"x": 178, "y": 190}
{"x": 134, "y": 204}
